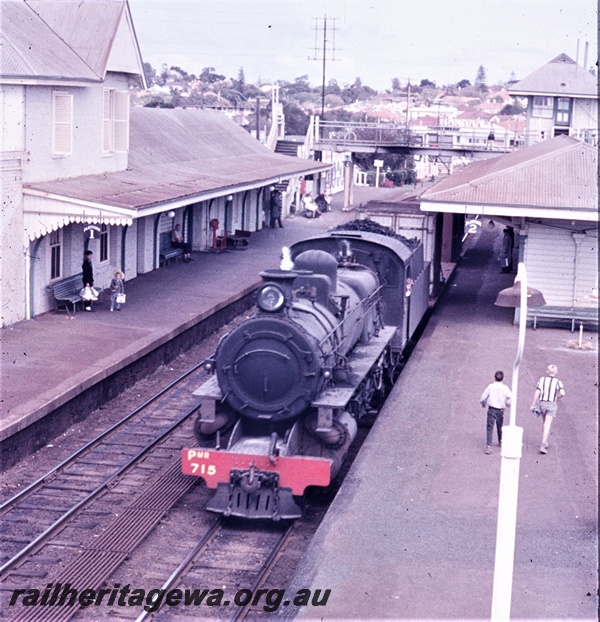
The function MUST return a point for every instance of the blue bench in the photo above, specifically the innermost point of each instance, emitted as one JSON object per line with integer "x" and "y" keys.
{"x": 66, "y": 292}
{"x": 166, "y": 250}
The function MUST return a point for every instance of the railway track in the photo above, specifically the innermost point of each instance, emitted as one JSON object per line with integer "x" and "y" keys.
{"x": 130, "y": 474}
{"x": 41, "y": 510}
{"x": 118, "y": 511}
{"x": 229, "y": 563}
{"x": 229, "y": 554}
{"x": 221, "y": 569}
{"x": 86, "y": 520}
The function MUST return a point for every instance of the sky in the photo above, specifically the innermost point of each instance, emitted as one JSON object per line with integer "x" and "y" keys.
{"x": 444, "y": 41}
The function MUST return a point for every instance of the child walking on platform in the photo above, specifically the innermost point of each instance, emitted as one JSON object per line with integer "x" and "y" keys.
{"x": 117, "y": 291}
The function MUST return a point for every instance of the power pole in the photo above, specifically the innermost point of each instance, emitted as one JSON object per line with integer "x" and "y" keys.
{"x": 321, "y": 53}
{"x": 408, "y": 105}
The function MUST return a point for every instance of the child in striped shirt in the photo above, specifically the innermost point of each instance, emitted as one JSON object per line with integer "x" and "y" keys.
{"x": 545, "y": 402}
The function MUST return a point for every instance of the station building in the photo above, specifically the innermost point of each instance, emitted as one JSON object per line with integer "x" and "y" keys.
{"x": 548, "y": 193}
{"x": 83, "y": 170}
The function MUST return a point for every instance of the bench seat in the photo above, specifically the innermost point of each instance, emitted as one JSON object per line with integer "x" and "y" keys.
{"x": 67, "y": 291}
{"x": 238, "y": 241}
{"x": 166, "y": 250}
{"x": 588, "y": 316}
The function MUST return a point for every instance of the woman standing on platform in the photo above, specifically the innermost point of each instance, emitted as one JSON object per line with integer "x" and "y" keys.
{"x": 88, "y": 276}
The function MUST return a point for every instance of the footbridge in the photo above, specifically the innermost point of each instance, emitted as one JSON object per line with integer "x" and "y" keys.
{"x": 381, "y": 138}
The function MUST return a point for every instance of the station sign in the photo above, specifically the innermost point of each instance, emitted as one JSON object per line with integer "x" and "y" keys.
{"x": 90, "y": 230}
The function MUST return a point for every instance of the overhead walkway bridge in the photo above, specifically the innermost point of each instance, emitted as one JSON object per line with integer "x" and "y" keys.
{"x": 369, "y": 137}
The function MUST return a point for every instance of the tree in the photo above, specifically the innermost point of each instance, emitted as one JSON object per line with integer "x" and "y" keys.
{"x": 425, "y": 83}
{"x": 396, "y": 86}
{"x": 333, "y": 101}
{"x": 164, "y": 74}
{"x": 333, "y": 88}
{"x": 300, "y": 85}
{"x": 296, "y": 120}
{"x": 158, "y": 103}
{"x": 184, "y": 74}
{"x": 356, "y": 92}
{"x": 240, "y": 83}
{"x": 512, "y": 109}
{"x": 209, "y": 76}
{"x": 150, "y": 73}
{"x": 463, "y": 84}
{"x": 480, "y": 80}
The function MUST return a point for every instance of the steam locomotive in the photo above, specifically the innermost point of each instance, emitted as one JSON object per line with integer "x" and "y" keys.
{"x": 289, "y": 384}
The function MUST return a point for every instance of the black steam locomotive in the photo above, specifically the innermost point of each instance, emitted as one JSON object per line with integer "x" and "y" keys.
{"x": 289, "y": 384}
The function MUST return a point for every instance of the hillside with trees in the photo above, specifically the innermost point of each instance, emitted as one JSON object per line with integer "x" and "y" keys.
{"x": 174, "y": 87}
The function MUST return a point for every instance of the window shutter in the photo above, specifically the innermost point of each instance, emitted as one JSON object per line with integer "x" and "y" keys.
{"x": 107, "y": 142}
{"x": 62, "y": 124}
{"x": 121, "y": 121}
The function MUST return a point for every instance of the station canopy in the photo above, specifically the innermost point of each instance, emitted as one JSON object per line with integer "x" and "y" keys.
{"x": 176, "y": 157}
{"x": 553, "y": 179}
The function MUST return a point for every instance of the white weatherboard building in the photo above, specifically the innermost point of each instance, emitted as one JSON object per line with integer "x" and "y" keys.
{"x": 65, "y": 76}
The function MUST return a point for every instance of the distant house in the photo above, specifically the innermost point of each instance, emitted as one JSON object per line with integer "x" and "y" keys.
{"x": 83, "y": 170}
{"x": 548, "y": 193}
{"x": 562, "y": 98}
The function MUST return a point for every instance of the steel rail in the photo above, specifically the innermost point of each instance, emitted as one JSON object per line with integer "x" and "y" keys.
{"x": 39, "y": 540}
{"x": 184, "y": 565}
{"x": 240, "y": 612}
{"x": 67, "y": 461}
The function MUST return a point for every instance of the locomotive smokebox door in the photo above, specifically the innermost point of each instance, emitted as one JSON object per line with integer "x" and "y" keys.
{"x": 268, "y": 371}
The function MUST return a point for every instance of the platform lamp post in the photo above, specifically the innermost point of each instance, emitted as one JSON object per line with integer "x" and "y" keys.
{"x": 519, "y": 295}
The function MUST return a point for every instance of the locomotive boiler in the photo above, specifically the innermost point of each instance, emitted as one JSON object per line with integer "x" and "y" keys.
{"x": 289, "y": 384}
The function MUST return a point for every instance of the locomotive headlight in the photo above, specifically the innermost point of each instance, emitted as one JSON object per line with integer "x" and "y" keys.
{"x": 270, "y": 298}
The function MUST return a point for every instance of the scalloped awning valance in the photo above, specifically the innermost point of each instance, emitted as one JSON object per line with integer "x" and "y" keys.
{"x": 44, "y": 215}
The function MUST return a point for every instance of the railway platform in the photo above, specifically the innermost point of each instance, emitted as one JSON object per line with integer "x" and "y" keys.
{"x": 51, "y": 360}
{"x": 411, "y": 534}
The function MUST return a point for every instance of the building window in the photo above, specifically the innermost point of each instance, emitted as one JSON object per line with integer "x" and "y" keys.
{"x": 115, "y": 128}
{"x": 543, "y": 107}
{"x": 55, "y": 254}
{"x": 62, "y": 124}
{"x": 104, "y": 243}
{"x": 563, "y": 111}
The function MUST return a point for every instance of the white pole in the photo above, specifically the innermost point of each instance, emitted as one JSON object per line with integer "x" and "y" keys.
{"x": 512, "y": 442}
